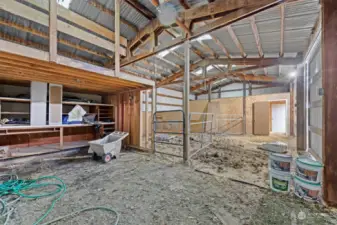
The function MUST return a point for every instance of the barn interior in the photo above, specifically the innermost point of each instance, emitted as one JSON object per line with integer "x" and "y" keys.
{"x": 167, "y": 111}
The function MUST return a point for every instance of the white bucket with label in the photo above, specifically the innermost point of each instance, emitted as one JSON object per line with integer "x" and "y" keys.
{"x": 309, "y": 169}
{"x": 308, "y": 191}
{"x": 279, "y": 181}
{"x": 280, "y": 162}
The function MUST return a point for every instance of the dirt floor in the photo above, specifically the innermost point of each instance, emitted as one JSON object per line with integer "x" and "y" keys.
{"x": 161, "y": 190}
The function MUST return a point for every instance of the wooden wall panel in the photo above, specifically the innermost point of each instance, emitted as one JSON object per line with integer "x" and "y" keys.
{"x": 329, "y": 50}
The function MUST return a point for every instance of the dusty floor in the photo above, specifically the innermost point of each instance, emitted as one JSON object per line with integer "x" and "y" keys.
{"x": 158, "y": 189}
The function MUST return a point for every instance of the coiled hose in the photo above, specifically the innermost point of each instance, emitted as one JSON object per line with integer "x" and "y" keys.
{"x": 12, "y": 186}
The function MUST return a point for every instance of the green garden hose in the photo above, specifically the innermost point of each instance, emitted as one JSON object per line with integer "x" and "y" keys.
{"x": 19, "y": 187}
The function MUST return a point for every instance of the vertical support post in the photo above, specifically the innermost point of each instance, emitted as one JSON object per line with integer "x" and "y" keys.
{"x": 146, "y": 121}
{"x": 210, "y": 92}
{"x": 186, "y": 143}
{"x": 52, "y": 30}
{"x": 301, "y": 110}
{"x": 244, "y": 109}
{"x": 329, "y": 63}
{"x": 250, "y": 89}
{"x": 61, "y": 137}
{"x": 117, "y": 38}
{"x": 153, "y": 110}
{"x": 291, "y": 109}
{"x": 219, "y": 93}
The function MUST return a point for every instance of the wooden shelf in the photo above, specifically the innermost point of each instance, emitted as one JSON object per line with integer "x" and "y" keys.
{"x": 15, "y": 113}
{"x": 22, "y": 100}
{"x": 86, "y": 103}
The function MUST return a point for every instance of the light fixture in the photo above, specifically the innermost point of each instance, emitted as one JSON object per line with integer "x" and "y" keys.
{"x": 293, "y": 74}
{"x": 64, "y": 3}
{"x": 167, "y": 14}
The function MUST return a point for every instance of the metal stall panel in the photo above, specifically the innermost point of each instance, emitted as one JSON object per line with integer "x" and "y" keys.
{"x": 315, "y": 99}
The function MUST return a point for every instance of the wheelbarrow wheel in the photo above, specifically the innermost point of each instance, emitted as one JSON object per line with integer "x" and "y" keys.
{"x": 95, "y": 156}
{"x": 107, "y": 158}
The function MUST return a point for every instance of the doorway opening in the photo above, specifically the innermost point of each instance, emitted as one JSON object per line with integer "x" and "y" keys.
{"x": 278, "y": 117}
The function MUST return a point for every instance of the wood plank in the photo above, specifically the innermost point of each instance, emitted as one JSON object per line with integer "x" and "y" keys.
{"x": 329, "y": 63}
{"x": 117, "y": 34}
{"x": 42, "y": 18}
{"x": 112, "y": 13}
{"x": 52, "y": 30}
{"x": 282, "y": 7}
{"x": 141, "y": 9}
{"x": 80, "y": 20}
{"x": 236, "y": 41}
{"x": 256, "y": 35}
{"x": 216, "y": 24}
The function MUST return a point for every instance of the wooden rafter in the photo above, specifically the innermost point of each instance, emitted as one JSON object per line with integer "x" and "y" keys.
{"x": 257, "y": 62}
{"x": 39, "y": 17}
{"x": 236, "y": 41}
{"x": 141, "y": 9}
{"x": 110, "y": 12}
{"x": 225, "y": 20}
{"x": 256, "y": 35}
{"x": 46, "y": 36}
{"x": 282, "y": 6}
{"x": 159, "y": 67}
{"x": 140, "y": 68}
{"x": 232, "y": 9}
{"x": 45, "y": 48}
{"x": 248, "y": 77}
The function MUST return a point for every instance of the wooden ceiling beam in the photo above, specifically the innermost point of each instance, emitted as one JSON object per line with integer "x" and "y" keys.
{"x": 225, "y": 20}
{"x": 65, "y": 14}
{"x": 256, "y": 35}
{"x": 218, "y": 8}
{"x": 282, "y": 7}
{"x": 255, "y": 61}
{"x": 141, "y": 9}
{"x": 178, "y": 74}
{"x": 248, "y": 77}
{"x": 110, "y": 12}
{"x": 46, "y": 36}
{"x": 236, "y": 41}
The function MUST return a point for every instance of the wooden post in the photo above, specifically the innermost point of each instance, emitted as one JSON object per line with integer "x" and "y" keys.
{"x": 300, "y": 104}
{"x": 250, "y": 89}
{"x": 210, "y": 92}
{"x": 292, "y": 109}
{"x": 153, "y": 110}
{"x": 146, "y": 117}
{"x": 244, "y": 109}
{"x": 52, "y": 30}
{"x": 61, "y": 137}
{"x": 186, "y": 101}
{"x": 117, "y": 38}
{"x": 329, "y": 63}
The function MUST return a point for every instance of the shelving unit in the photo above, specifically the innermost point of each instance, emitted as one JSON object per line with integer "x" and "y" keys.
{"x": 14, "y": 114}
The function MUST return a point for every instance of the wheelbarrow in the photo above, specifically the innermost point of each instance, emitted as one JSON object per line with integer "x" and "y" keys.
{"x": 108, "y": 147}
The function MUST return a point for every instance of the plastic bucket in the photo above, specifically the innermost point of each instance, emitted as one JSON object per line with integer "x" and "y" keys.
{"x": 308, "y": 191}
{"x": 309, "y": 170}
{"x": 280, "y": 162}
{"x": 279, "y": 182}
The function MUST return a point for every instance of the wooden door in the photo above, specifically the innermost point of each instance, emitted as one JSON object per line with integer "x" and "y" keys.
{"x": 261, "y": 122}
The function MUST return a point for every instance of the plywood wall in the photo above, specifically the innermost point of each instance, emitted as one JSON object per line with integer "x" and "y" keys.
{"x": 230, "y": 106}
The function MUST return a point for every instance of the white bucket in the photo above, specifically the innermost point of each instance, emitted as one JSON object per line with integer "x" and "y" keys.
{"x": 309, "y": 170}
{"x": 306, "y": 190}
{"x": 280, "y": 162}
{"x": 279, "y": 182}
